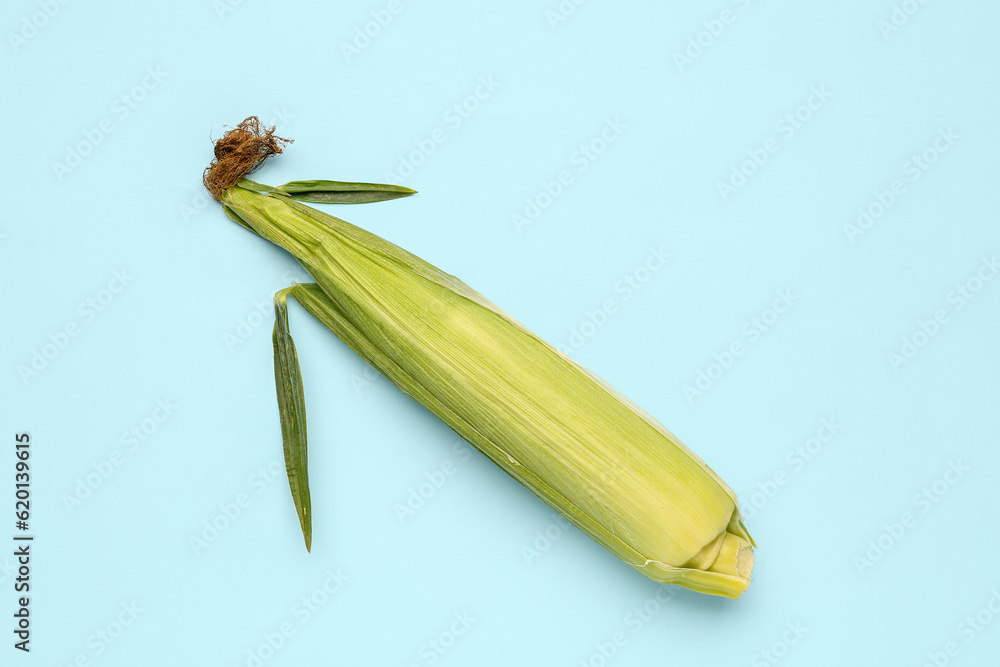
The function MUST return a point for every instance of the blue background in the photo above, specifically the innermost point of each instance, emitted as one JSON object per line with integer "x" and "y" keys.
{"x": 877, "y": 536}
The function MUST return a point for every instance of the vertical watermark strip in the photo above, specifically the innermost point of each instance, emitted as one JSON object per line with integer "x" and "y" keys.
{"x": 22, "y": 541}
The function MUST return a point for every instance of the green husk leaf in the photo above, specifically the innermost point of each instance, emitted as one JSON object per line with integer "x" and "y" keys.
{"x": 253, "y": 186}
{"x": 233, "y": 215}
{"x": 578, "y": 444}
{"x": 339, "y": 192}
{"x": 727, "y": 577}
{"x": 292, "y": 410}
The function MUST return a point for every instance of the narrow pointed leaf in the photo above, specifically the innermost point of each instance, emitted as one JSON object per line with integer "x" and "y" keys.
{"x": 253, "y": 186}
{"x": 292, "y": 410}
{"x": 338, "y": 192}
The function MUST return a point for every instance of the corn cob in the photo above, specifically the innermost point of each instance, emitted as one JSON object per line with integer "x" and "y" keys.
{"x": 579, "y": 445}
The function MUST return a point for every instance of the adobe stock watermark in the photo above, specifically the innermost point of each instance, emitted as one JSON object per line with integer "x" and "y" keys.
{"x": 633, "y": 623}
{"x": 751, "y": 331}
{"x": 562, "y": 12}
{"x": 966, "y": 631}
{"x": 957, "y": 298}
{"x": 913, "y": 169}
{"x": 32, "y": 24}
{"x": 108, "y": 635}
{"x": 901, "y": 14}
{"x": 198, "y": 200}
{"x": 794, "y": 631}
{"x": 304, "y": 610}
{"x": 365, "y": 378}
{"x": 121, "y": 108}
{"x": 795, "y": 460}
{"x": 453, "y": 118}
{"x": 365, "y": 33}
{"x": 436, "y": 647}
{"x": 923, "y": 501}
{"x": 580, "y": 160}
{"x": 7, "y": 568}
{"x": 625, "y": 288}
{"x": 131, "y": 441}
{"x": 86, "y": 312}
{"x": 785, "y": 129}
{"x": 260, "y": 315}
{"x": 543, "y": 539}
{"x": 711, "y": 31}
{"x": 418, "y": 495}
{"x": 229, "y": 512}
{"x": 223, "y": 8}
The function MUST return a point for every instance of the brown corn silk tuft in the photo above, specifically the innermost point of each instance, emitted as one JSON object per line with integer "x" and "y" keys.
{"x": 239, "y": 152}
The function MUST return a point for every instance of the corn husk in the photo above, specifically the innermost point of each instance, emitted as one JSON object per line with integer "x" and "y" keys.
{"x": 596, "y": 458}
